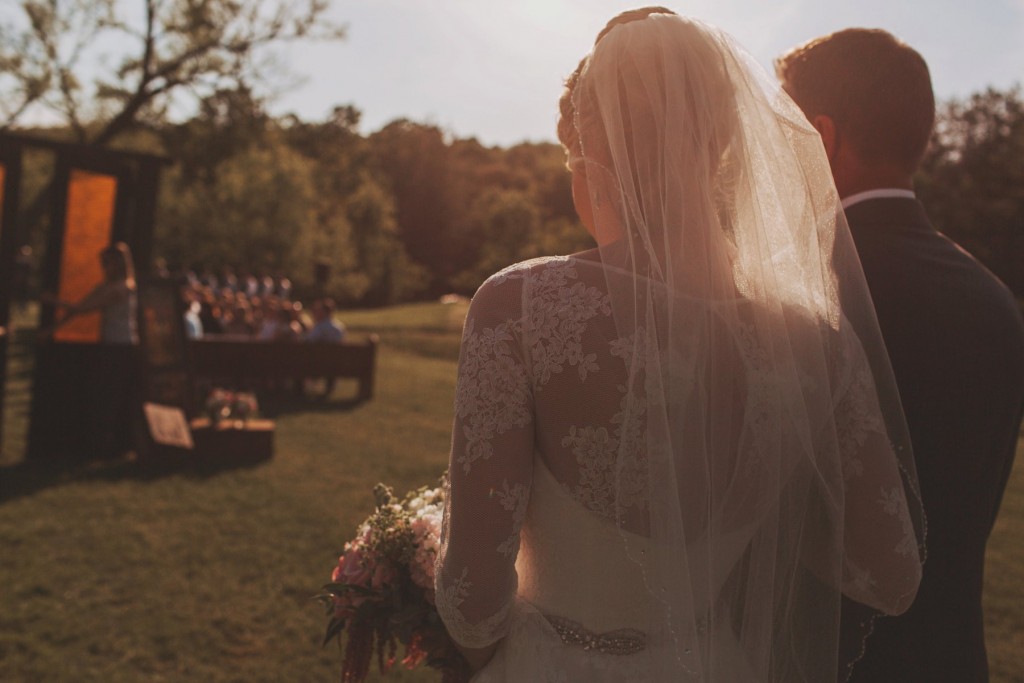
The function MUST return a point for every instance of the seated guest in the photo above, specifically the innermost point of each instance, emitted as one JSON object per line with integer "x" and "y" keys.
{"x": 248, "y": 284}
{"x": 299, "y": 321}
{"x": 325, "y": 329}
{"x": 210, "y": 313}
{"x": 228, "y": 280}
{"x": 284, "y": 287}
{"x": 239, "y": 320}
{"x": 289, "y": 328}
{"x": 269, "y": 320}
{"x": 267, "y": 285}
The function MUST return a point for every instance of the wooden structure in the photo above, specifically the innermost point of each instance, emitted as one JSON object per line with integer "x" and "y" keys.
{"x": 95, "y": 196}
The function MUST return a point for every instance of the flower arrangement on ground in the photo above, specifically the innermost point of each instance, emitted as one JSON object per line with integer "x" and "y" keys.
{"x": 381, "y": 593}
{"x": 222, "y": 405}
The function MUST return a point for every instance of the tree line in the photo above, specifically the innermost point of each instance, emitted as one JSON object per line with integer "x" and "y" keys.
{"x": 403, "y": 213}
{"x": 972, "y": 180}
{"x": 409, "y": 212}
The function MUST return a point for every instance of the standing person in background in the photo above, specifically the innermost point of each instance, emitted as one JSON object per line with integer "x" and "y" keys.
{"x": 952, "y": 329}
{"x": 112, "y": 377}
{"x": 114, "y": 298}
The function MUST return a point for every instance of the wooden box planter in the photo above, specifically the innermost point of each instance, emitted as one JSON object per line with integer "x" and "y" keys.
{"x": 233, "y": 440}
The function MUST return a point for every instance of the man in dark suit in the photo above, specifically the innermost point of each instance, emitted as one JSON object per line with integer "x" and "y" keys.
{"x": 953, "y": 332}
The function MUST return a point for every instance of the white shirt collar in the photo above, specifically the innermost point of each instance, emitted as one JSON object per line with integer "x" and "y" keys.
{"x": 881, "y": 193}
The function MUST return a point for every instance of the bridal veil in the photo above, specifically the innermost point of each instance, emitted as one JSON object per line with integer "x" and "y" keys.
{"x": 762, "y": 467}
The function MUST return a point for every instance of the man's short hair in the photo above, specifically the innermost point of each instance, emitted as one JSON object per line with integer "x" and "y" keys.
{"x": 875, "y": 88}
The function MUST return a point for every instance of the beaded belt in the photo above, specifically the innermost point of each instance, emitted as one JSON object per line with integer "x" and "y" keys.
{"x": 625, "y": 641}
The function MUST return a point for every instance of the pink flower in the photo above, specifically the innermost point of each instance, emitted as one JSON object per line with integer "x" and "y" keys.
{"x": 352, "y": 568}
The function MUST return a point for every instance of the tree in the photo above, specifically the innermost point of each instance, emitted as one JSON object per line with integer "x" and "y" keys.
{"x": 370, "y": 263}
{"x": 506, "y": 224}
{"x": 415, "y": 160}
{"x": 256, "y": 211}
{"x": 384, "y": 273}
{"x": 228, "y": 123}
{"x": 150, "y": 55}
{"x": 166, "y": 50}
{"x": 972, "y": 180}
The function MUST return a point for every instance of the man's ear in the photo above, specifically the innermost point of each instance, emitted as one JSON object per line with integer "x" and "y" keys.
{"x": 826, "y": 127}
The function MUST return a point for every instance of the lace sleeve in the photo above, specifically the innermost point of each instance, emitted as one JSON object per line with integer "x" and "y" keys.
{"x": 881, "y": 566}
{"x": 490, "y": 471}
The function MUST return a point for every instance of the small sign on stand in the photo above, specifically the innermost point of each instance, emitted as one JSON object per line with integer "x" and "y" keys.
{"x": 168, "y": 426}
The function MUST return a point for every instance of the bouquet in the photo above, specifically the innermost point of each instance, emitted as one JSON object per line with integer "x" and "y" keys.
{"x": 382, "y": 591}
{"x": 231, "y": 405}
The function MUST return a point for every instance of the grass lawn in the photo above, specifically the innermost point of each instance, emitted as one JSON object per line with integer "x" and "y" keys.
{"x": 124, "y": 572}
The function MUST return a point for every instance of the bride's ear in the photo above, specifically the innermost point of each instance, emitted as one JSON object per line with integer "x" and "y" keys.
{"x": 826, "y": 127}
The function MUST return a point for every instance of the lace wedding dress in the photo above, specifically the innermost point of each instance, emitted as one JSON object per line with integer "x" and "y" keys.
{"x": 532, "y": 549}
{"x": 672, "y": 454}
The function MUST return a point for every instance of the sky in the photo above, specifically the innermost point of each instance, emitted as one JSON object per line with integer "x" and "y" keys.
{"x": 493, "y": 69}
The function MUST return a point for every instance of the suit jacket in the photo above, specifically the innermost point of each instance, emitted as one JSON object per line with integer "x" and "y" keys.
{"x": 956, "y": 341}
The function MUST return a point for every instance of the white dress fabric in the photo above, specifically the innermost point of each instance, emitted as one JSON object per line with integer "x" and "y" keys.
{"x": 673, "y": 454}
{"x": 530, "y": 533}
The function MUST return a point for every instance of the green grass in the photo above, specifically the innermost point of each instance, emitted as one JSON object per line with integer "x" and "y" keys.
{"x": 123, "y": 572}
{"x": 1004, "y": 582}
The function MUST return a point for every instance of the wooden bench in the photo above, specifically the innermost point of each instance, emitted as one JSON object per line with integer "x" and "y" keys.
{"x": 247, "y": 362}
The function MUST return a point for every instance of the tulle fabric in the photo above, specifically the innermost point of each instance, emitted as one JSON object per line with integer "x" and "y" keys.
{"x": 699, "y": 415}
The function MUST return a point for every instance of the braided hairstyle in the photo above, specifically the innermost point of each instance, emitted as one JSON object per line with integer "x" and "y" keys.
{"x": 567, "y": 133}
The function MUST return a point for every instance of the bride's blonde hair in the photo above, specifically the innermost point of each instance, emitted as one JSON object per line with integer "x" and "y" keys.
{"x": 700, "y": 108}
{"x": 567, "y": 133}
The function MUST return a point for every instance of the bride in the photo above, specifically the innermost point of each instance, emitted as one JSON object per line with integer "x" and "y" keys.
{"x": 673, "y": 453}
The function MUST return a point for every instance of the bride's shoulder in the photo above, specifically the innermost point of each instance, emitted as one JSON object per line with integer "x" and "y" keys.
{"x": 530, "y": 268}
{"x": 504, "y": 290}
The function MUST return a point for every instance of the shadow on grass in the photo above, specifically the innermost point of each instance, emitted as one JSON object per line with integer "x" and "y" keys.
{"x": 276, "y": 404}
{"x": 31, "y": 476}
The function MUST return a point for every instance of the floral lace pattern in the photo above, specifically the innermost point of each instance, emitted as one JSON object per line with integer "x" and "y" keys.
{"x": 857, "y": 580}
{"x": 894, "y": 504}
{"x": 857, "y": 420}
{"x": 605, "y": 456}
{"x": 558, "y": 317}
{"x": 490, "y": 398}
{"x": 513, "y": 499}
{"x": 539, "y": 336}
{"x": 482, "y": 634}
